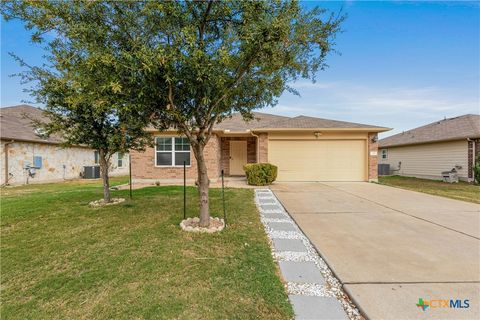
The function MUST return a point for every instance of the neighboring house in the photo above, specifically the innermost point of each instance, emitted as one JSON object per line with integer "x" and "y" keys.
{"x": 303, "y": 148}
{"x": 426, "y": 151}
{"x": 27, "y": 156}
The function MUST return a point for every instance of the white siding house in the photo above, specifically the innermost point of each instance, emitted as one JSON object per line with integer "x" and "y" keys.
{"x": 426, "y": 151}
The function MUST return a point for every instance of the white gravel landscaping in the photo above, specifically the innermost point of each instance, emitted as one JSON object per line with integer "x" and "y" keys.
{"x": 332, "y": 287}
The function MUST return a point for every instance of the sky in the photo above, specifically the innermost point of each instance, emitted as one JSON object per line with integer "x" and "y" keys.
{"x": 400, "y": 65}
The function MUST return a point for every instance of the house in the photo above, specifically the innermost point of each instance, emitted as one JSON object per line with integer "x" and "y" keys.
{"x": 426, "y": 151}
{"x": 304, "y": 149}
{"x": 27, "y": 156}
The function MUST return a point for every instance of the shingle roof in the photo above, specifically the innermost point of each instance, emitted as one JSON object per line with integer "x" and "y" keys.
{"x": 462, "y": 127}
{"x": 304, "y": 122}
{"x": 16, "y": 125}
{"x": 236, "y": 122}
{"x": 267, "y": 121}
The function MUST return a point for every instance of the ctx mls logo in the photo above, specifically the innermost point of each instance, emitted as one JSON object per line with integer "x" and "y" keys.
{"x": 434, "y": 304}
{"x": 422, "y": 304}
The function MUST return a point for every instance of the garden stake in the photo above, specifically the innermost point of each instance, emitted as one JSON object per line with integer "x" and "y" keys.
{"x": 184, "y": 190}
{"x": 223, "y": 199}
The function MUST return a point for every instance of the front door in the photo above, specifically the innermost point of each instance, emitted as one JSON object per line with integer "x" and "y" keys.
{"x": 238, "y": 157}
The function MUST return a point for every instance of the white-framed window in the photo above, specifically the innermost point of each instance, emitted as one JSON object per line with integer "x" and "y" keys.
{"x": 384, "y": 154}
{"x": 96, "y": 157}
{"x": 120, "y": 159}
{"x": 172, "y": 151}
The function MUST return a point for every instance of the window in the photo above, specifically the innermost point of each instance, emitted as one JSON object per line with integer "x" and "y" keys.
{"x": 96, "y": 157}
{"x": 120, "y": 160}
{"x": 384, "y": 154}
{"x": 37, "y": 162}
{"x": 172, "y": 151}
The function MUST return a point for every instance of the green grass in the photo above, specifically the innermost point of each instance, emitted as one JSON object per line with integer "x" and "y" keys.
{"x": 459, "y": 191}
{"x": 61, "y": 259}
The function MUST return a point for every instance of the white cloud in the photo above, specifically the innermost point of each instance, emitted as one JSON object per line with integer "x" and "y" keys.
{"x": 401, "y": 108}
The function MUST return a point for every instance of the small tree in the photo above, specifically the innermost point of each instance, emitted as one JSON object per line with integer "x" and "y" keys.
{"x": 90, "y": 97}
{"x": 476, "y": 170}
{"x": 214, "y": 58}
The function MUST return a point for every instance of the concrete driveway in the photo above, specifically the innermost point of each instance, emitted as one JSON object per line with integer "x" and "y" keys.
{"x": 389, "y": 247}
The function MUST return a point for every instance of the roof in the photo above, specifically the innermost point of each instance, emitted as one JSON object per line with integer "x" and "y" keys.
{"x": 268, "y": 122}
{"x": 16, "y": 124}
{"x": 304, "y": 122}
{"x": 260, "y": 120}
{"x": 462, "y": 127}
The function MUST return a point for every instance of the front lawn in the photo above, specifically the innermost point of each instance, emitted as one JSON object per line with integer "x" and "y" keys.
{"x": 61, "y": 259}
{"x": 459, "y": 191}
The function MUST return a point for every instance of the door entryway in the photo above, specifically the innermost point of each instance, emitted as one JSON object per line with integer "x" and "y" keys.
{"x": 238, "y": 157}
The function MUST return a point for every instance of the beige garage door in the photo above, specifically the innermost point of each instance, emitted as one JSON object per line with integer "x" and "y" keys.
{"x": 318, "y": 160}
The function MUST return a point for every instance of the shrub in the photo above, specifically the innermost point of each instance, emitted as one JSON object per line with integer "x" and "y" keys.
{"x": 260, "y": 174}
{"x": 476, "y": 170}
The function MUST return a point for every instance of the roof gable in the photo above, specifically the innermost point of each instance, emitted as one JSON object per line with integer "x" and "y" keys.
{"x": 462, "y": 127}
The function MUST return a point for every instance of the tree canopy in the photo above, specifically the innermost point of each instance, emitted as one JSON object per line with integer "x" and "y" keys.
{"x": 180, "y": 64}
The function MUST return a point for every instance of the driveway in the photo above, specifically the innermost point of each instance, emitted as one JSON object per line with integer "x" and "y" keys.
{"x": 389, "y": 247}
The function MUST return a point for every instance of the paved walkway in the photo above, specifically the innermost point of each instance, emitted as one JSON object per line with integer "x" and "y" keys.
{"x": 390, "y": 247}
{"x": 313, "y": 290}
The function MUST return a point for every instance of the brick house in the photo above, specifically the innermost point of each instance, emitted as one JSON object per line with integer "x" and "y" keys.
{"x": 304, "y": 149}
{"x": 426, "y": 151}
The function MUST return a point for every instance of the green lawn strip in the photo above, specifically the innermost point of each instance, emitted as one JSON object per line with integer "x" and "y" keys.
{"x": 60, "y": 187}
{"x": 460, "y": 191}
{"x": 62, "y": 259}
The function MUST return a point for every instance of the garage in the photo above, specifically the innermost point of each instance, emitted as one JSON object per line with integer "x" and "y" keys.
{"x": 319, "y": 160}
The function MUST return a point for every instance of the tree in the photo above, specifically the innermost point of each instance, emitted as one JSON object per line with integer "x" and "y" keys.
{"x": 186, "y": 64}
{"x": 87, "y": 86}
{"x": 220, "y": 57}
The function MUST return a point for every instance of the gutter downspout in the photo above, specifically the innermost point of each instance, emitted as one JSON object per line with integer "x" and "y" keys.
{"x": 6, "y": 161}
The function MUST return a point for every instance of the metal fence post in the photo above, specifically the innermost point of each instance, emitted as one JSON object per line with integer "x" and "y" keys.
{"x": 184, "y": 190}
{"x": 130, "y": 173}
{"x": 223, "y": 200}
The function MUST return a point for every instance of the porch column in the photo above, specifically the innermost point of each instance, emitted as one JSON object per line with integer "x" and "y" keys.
{"x": 263, "y": 147}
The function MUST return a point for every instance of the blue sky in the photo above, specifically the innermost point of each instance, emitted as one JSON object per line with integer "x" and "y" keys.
{"x": 402, "y": 65}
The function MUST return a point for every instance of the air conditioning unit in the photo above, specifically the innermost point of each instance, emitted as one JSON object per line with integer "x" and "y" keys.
{"x": 383, "y": 169}
{"x": 91, "y": 172}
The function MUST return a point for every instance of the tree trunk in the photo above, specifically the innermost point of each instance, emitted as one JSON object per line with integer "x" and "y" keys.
{"x": 104, "y": 173}
{"x": 203, "y": 185}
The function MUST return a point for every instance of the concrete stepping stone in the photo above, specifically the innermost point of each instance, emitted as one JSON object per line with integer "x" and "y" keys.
{"x": 301, "y": 272}
{"x": 281, "y": 226}
{"x": 274, "y": 215}
{"x": 319, "y": 308}
{"x": 270, "y": 207}
{"x": 264, "y": 195}
{"x": 295, "y": 245}
{"x": 267, "y": 201}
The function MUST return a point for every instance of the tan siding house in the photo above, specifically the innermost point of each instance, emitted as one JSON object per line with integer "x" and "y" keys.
{"x": 441, "y": 146}
{"x": 303, "y": 148}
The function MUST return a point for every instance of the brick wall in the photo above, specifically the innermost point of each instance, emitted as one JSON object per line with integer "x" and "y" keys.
{"x": 263, "y": 147}
{"x": 225, "y": 151}
{"x": 143, "y": 164}
{"x": 372, "y": 159}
